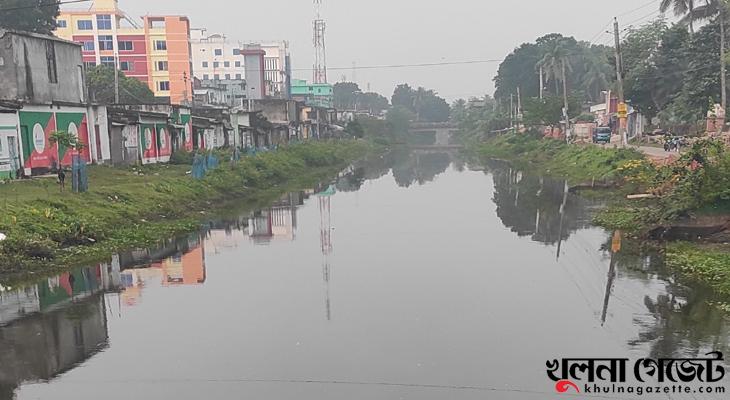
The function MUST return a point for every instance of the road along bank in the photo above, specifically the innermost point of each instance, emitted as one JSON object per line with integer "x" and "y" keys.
{"x": 125, "y": 208}
{"x": 689, "y": 196}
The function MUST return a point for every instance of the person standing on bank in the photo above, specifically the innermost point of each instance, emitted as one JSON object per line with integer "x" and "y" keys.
{"x": 62, "y": 178}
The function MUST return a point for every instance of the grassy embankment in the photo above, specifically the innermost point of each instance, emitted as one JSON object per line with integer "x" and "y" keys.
{"x": 131, "y": 207}
{"x": 681, "y": 192}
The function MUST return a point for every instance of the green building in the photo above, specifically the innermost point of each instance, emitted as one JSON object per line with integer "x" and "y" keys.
{"x": 313, "y": 94}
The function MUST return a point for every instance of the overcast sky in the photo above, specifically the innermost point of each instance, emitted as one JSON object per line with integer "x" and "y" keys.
{"x": 386, "y": 32}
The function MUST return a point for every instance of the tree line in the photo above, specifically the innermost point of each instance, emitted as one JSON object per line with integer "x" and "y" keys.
{"x": 674, "y": 73}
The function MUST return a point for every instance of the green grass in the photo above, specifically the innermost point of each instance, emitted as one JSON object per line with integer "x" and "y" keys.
{"x": 706, "y": 264}
{"x": 577, "y": 163}
{"x": 128, "y": 207}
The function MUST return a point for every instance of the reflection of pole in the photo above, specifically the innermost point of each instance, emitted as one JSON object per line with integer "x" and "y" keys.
{"x": 562, "y": 217}
{"x": 615, "y": 248}
{"x": 325, "y": 238}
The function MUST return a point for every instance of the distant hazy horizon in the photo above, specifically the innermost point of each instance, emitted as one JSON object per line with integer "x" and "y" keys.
{"x": 395, "y": 32}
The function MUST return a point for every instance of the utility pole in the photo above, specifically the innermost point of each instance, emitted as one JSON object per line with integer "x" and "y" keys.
{"x": 512, "y": 111}
{"x": 620, "y": 81}
{"x": 116, "y": 78}
{"x": 723, "y": 77}
{"x": 519, "y": 108}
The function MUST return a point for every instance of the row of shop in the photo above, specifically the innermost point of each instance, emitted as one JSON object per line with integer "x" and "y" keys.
{"x": 134, "y": 134}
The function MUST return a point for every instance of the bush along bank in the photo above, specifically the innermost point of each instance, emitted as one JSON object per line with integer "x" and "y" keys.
{"x": 47, "y": 230}
{"x": 577, "y": 163}
{"x": 684, "y": 200}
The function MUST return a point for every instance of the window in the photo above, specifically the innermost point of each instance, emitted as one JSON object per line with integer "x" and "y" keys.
{"x": 219, "y": 52}
{"x": 157, "y": 23}
{"x": 216, "y": 64}
{"x": 126, "y": 66}
{"x": 228, "y": 76}
{"x": 227, "y": 64}
{"x": 104, "y": 22}
{"x": 236, "y": 52}
{"x": 51, "y": 62}
{"x": 238, "y": 64}
{"x": 89, "y": 64}
{"x": 205, "y": 64}
{"x": 61, "y": 23}
{"x": 106, "y": 42}
{"x": 160, "y": 45}
{"x": 239, "y": 77}
{"x": 217, "y": 77}
{"x": 85, "y": 25}
{"x": 206, "y": 77}
{"x": 163, "y": 86}
{"x": 108, "y": 61}
{"x": 161, "y": 66}
{"x": 126, "y": 45}
{"x": 88, "y": 46}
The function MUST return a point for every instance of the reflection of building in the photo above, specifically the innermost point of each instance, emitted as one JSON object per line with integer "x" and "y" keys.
{"x": 182, "y": 262}
{"x": 45, "y": 345}
{"x": 219, "y": 239}
{"x": 134, "y": 281}
{"x": 278, "y": 222}
{"x": 55, "y": 292}
{"x": 184, "y": 269}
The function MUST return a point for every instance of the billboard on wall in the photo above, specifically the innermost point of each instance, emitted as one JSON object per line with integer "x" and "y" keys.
{"x": 148, "y": 142}
{"x": 187, "y": 140}
{"x": 164, "y": 142}
{"x": 36, "y": 128}
{"x": 75, "y": 124}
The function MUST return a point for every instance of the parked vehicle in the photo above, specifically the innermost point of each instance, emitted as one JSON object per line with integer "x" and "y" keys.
{"x": 602, "y": 134}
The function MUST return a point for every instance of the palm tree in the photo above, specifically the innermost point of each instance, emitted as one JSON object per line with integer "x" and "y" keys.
{"x": 680, "y": 8}
{"x": 715, "y": 9}
{"x": 596, "y": 74}
{"x": 555, "y": 63}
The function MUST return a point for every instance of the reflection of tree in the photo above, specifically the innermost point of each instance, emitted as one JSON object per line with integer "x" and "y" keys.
{"x": 421, "y": 168}
{"x": 679, "y": 322}
{"x": 531, "y": 206}
{"x": 408, "y": 167}
{"x": 352, "y": 181}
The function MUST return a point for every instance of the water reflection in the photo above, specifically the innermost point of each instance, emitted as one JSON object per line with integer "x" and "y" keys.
{"x": 51, "y": 327}
{"x": 383, "y": 309}
{"x": 408, "y": 167}
{"x": 674, "y": 319}
{"x": 539, "y": 207}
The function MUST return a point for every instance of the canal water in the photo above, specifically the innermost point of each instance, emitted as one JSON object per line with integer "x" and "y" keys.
{"x": 411, "y": 276}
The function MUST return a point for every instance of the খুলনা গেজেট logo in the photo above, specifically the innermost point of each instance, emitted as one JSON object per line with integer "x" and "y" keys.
{"x": 662, "y": 375}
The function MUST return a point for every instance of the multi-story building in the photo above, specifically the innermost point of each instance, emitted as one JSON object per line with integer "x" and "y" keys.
{"x": 313, "y": 94}
{"x": 156, "y": 52}
{"x": 217, "y": 57}
{"x": 277, "y": 68}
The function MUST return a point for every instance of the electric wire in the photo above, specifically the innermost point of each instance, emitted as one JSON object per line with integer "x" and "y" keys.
{"x": 41, "y": 4}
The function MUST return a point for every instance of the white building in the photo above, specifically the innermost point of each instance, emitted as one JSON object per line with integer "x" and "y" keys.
{"x": 217, "y": 57}
{"x": 277, "y": 68}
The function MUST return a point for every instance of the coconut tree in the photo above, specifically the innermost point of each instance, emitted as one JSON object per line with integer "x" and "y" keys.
{"x": 680, "y": 8}
{"x": 708, "y": 10}
{"x": 555, "y": 64}
{"x": 597, "y": 73}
